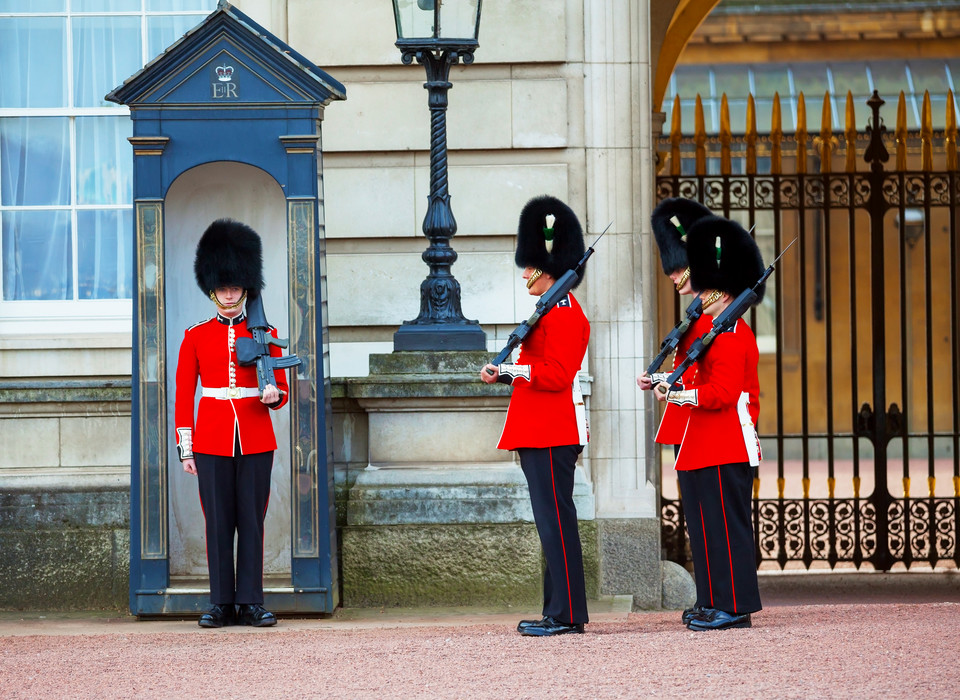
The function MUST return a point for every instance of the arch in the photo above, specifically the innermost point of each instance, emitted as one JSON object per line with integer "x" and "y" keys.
{"x": 687, "y": 17}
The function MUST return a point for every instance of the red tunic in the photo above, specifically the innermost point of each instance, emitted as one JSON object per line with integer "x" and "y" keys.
{"x": 723, "y": 423}
{"x": 674, "y": 420}
{"x": 542, "y": 411}
{"x": 206, "y": 354}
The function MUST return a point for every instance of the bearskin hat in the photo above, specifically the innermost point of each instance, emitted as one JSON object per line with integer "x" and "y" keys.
{"x": 670, "y": 240}
{"x": 229, "y": 253}
{"x": 723, "y": 256}
{"x": 553, "y": 249}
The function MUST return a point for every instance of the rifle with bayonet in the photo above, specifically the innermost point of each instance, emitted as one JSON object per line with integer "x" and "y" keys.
{"x": 724, "y": 322}
{"x": 557, "y": 292}
{"x": 670, "y": 343}
{"x": 256, "y": 350}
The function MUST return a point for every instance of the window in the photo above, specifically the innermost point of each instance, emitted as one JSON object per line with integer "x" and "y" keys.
{"x": 66, "y": 168}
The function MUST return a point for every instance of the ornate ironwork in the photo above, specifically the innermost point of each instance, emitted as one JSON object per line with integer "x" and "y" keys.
{"x": 879, "y": 529}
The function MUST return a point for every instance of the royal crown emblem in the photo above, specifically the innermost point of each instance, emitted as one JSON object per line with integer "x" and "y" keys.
{"x": 224, "y": 73}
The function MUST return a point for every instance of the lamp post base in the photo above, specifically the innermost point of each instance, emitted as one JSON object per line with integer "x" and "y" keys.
{"x": 439, "y": 336}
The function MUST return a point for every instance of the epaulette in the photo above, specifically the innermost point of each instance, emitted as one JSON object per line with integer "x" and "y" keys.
{"x": 200, "y": 323}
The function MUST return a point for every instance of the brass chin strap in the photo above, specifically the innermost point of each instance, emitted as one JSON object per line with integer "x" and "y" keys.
{"x": 534, "y": 276}
{"x": 213, "y": 298}
{"x": 714, "y": 295}
{"x": 683, "y": 278}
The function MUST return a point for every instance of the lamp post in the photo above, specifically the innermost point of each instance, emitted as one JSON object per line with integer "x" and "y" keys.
{"x": 438, "y": 34}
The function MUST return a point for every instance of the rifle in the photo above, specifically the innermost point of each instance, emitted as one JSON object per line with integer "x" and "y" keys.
{"x": 724, "y": 322}
{"x": 558, "y": 290}
{"x": 670, "y": 343}
{"x": 256, "y": 350}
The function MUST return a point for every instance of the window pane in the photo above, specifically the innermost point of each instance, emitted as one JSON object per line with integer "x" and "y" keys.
{"x": 34, "y": 5}
{"x": 106, "y": 51}
{"x": 180, "y": 5}
{"x": 889, "y": 78}
{"x": 850, "y": 77}
{"x": 929, "y": 75}
{"x": 692, "y": 81}
{"x": 768, "y": 80}
{"x": 104, "y": 256}
{"x": 104, "y": 160}
{"x": 36, "y": 255}
{"x": 105, "y": 5}
{"x": 810, "y": 79}
{"x": 163, "y": 31}
{"x": 33, "y": 54}
{"x": 34, "y": 161}
{"x": 734, "y": 80}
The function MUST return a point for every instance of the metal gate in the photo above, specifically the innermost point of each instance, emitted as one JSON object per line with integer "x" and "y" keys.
{"x": 860, "y": 365}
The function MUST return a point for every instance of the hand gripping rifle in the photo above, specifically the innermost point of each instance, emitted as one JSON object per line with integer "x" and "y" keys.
{"x": 724, "y": 322}
{"x": 256, "y": 350}
{"x": 558, "y": 290}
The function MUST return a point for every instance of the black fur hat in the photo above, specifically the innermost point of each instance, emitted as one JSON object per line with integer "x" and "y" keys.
{"x": 670, "y": 240}
{"x": 229, "y": 253}
{"x": 553, "y": 250}
{"x": 723, "y": 256}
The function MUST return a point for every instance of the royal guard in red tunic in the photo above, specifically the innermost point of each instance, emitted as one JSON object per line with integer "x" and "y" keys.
{"x": 671, "y": 219}
{"x": 720, "y": 448}
{"x": 230, "y": 445}
{"x": 546, "y": 420}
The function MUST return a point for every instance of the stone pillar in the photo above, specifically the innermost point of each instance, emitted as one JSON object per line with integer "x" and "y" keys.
{"x": 621, "y": 283}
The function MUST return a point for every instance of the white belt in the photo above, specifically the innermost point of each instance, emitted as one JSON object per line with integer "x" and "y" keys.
{"x": 230, "y": 392}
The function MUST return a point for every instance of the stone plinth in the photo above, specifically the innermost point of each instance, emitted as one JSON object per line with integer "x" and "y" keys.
{"x": 440, "y": 516}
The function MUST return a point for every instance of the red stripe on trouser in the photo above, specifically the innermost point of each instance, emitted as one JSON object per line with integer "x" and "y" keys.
{"x": 726, "y": 530}
{"x": 563, "y": 544}
{"x": 706, "y": 555}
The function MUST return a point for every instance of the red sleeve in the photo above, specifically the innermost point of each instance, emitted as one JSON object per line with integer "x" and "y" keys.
{"x": 188, "y": 370}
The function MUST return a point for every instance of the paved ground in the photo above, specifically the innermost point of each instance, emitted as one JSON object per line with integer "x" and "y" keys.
{"x": 819, "y": 636}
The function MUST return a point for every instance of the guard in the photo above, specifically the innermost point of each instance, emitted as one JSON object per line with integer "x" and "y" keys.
{"x": 230, "y": 445}
{"x": 546, "y": 421}
{"x": 720, "y": 447}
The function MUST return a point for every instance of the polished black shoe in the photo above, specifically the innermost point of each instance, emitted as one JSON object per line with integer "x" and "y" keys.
{"x": 526, "y": 623}
{"x": 549, "y": 627}
{"x": 712, "y": 619}
{"x": 217, "y": 616}
{"x": 255, "y": 616}
{"x": 691, "y": 613}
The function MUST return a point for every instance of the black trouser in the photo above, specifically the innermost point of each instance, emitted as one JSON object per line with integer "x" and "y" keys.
{"x": 234, "y": 492}
{"x": 549, "y": 472}
{"x": 717, "y": 509}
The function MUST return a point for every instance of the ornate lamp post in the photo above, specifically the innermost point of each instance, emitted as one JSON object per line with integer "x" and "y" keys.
{"x": 438, "y": 33}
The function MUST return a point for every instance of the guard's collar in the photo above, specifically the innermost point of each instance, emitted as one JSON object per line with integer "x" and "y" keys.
{"x": 230, "y": 321}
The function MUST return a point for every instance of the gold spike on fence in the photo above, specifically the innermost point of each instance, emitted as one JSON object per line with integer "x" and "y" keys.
{"x": 826, "y": 140}
{"x": 926, "y": 135}
{"x": 801, "y": 135}
{"x": 850, "y": 135}
{"x": 751, "y": 136}
{"x": 700, "y": 138}
{"x": 900, "y": 133}
{"x": 826, "y": 143}
{"x": 725, "y": 136}
{"x": 950, "y": 134}
{"x": 776, "y": 136}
